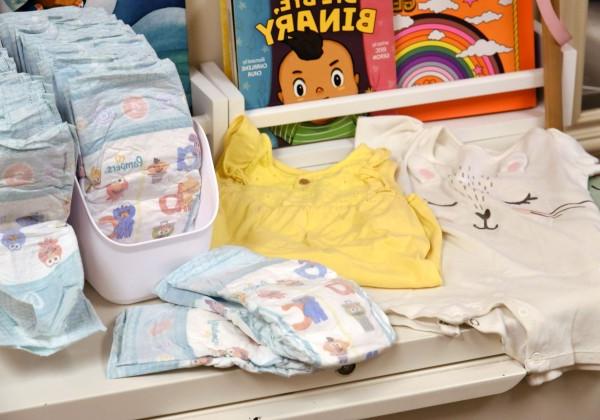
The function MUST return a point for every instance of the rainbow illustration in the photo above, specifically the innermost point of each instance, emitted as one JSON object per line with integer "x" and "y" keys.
{"x": 423, "y": 58}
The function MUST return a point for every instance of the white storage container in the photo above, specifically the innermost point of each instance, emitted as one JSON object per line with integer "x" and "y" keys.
{"x": 127, "y": 273}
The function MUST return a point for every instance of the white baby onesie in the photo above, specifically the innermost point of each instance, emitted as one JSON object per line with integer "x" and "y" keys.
{"x": 521, "y": 254}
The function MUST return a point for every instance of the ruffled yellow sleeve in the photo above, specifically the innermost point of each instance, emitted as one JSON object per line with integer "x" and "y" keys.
{"x": 244, "y": 148}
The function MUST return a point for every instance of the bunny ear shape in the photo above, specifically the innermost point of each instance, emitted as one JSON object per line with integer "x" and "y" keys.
{"x": 514, "y": 164}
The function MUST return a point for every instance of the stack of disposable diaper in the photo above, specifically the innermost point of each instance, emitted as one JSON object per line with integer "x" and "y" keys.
{"x": 232, "y": 307}
{"x": 139, "y": 152}
{"x": 42, "y": 306}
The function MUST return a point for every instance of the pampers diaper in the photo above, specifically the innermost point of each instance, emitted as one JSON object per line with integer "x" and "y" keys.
{"x": 156, "y": 338}
{"x": 25, "y": 120}
{"x": 139, "y": 149}
{"x": 37, "y": 175}
{"x": 42, "y": 306}
{"x": 299, "y": 309}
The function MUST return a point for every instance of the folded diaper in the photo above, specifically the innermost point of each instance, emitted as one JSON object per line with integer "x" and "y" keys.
{"x": 7, "y": 64}
{"x": 66, "y": 67}
{"x": 156, "y": 338}
{"x": 20, "y": 86}
{"x": 37, "y": 175}
{"x": 139, "y": 149}
{"x": 42, "y": 306}
{"x": 26, "y": 120}
{"x": 299, "y": 309}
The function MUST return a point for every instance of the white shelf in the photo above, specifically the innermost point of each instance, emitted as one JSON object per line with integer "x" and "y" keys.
{"x": 397, "y": 98}
{"x": 72, "y": 383}
{"x": 381, "y": 396}
{"x": 359, "y": 104}
{"x": 492, "y": 130}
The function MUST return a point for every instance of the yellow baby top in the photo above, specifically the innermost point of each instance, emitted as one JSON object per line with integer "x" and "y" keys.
{"x": 351, "y": 217}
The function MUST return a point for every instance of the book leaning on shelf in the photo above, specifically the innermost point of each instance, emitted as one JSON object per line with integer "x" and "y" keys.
{"x": 282, "y": 52}
{"x": 445, "y": 40}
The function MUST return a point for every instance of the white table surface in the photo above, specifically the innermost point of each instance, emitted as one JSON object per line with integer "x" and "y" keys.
{"x": 72, "y": 383}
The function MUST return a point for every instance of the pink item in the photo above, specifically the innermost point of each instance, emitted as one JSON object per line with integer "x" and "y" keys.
{"x": 379, "y": 47}
{"x": 558, "y": 30}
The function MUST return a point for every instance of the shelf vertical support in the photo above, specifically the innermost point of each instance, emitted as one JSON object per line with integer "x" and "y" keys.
{"x": 552, "y": 63}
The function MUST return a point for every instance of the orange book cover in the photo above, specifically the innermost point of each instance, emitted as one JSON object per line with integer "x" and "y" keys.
{"x": 444, "y": 40}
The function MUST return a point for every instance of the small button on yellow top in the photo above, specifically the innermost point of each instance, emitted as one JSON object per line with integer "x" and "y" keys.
{"x": 303, "y": 181}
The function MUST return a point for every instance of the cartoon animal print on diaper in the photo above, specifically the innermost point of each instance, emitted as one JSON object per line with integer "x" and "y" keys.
{"x": 271, "y": 294}
{"x": 95, "y": 175}
{"x": 338, "y": 348}
{"x": 188, "y": 158}
{"x": 313, "y": 313}
{"x": 186, "y": 192}
{"x": 163, "y": 230}
{"x": 13, "y": 240}
{"x": 122, "y": 221}
{"x": 157, "y": 170}
{"x": 32, "y": 219}
{"x": 356, "y": 310}
{"x": 18, "y": 174}
{"x": 50, "y": 252}
{"x": 115, "y": 190}
{"x": 310, "y": 270}
{"x": 340, "y": 286}
{"x": 134, "y": 107}
{"x": 236, "y": 352}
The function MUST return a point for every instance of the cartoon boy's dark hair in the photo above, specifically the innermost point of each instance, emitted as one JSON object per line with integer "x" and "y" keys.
{"x": 308, "y": 45}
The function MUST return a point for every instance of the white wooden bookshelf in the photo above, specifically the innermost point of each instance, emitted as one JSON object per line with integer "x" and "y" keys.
{"x": 216, "y": 123}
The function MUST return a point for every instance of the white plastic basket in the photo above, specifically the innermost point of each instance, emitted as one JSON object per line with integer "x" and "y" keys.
{"x": 127, "y": 273}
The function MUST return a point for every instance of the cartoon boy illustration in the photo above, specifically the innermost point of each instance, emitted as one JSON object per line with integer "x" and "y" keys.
{"x": 316, "y": 69}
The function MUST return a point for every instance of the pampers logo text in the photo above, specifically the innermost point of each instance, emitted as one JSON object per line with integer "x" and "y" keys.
{"x": 122, "y": 165}
{"x": 297, "y": 16}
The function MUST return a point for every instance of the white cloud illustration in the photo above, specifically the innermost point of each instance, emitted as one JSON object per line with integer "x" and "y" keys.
{"x": 505, "y": 2}
{"x": 484, "y": 18}
{"x": 483, "y": 47}
{"x": 438, "y": 6}
{"x": 402, "y": 22}
{"x": 436, "y": 35}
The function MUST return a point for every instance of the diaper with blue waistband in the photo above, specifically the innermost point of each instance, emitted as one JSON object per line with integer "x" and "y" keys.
{"x": 161, "y": 337}
{"x": 119, "y": 112}
{"x": 42, "y": 306}
{"x": 299, "y": 309}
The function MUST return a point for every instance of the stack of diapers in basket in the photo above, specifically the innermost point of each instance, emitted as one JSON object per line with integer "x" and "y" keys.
{"x": 231, "y": 306}
{"x": 42, "y": 306}
{"x": 139, "y": 152}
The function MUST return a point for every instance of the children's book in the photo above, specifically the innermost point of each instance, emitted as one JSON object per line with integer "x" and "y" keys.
{"x": 291, "y": 51}
{"x": 444, "y": 40}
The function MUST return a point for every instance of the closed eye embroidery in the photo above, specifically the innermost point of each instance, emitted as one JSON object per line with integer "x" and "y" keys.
{"x": 526, "y": 200}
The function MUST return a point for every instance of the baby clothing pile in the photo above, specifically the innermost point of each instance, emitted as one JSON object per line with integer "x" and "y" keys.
{"x": 42, "y": 306}
{"x": 231, "y": 306}
{"x": 139, "y": 152}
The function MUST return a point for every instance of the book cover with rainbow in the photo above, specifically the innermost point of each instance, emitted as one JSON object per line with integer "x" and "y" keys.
{"x": 444, "y": 40}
